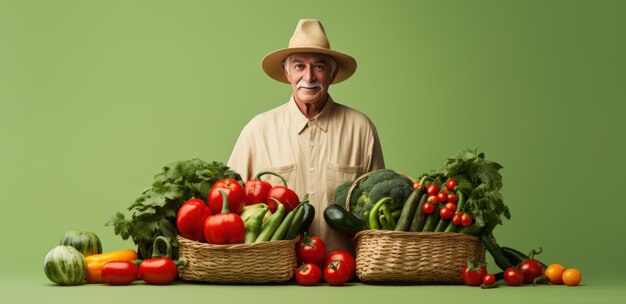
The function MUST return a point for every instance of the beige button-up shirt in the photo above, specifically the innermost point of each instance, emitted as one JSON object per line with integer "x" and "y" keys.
{"x": 313, "y": 155}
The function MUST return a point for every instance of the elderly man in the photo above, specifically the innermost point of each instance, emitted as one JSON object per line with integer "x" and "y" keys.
{"x": 312, "y": 141}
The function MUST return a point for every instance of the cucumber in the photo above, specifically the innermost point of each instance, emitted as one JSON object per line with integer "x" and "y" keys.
{"x": 86, "y": 242}
{"x": 65, "y": 265}
{"x": 408, "y": 211}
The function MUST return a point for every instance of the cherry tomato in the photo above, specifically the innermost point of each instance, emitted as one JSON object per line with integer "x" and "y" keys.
{"x": 456, "y": 219}
{"x": 445, "y": 213}
{"x": 432, "y": 199}
{"x": 311, "y": 250}
{"x": 489, "y": 279}
{"x": 428, "y": 208}
{"x": 513, "y": 277}
{"x": 452, "y": 198}
{"x": 473, "y": 274}
{"x": 571, "y": 277}
{"x": 466, "y": 220}
{"x": 442, "y": 197}
{"x": 119, "y": 272}
{"x": 554, "y": 272}
{"x": 432, "y": 189}
{"x": 337, "y": 273}
{"x": 450, "y": 184}
{"x": 451, "y": 206}
{"x": 308, "y": 274}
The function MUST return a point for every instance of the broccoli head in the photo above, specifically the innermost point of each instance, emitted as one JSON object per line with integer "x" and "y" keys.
{"x": 341, "y": 193}
{"x": 377, "y": 185}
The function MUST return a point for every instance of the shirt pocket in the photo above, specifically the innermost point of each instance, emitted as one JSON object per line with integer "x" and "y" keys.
{"x": 338, "y": 174}
{"x": 288, "y": 172}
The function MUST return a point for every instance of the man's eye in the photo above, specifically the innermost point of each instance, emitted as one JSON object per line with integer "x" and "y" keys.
{"x": 319, "y": 67}
{"x": 299, "y": 66}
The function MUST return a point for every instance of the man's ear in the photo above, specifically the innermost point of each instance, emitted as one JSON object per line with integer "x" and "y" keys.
{"x": 285, "y": 71}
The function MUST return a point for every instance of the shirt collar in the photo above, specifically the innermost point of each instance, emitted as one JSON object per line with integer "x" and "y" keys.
{"x": 300, "y": 121}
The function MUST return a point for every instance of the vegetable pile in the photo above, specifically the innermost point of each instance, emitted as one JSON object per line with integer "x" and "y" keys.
{"x": 154, "y": 211}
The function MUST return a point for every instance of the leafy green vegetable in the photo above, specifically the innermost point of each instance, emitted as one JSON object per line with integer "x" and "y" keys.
{"x": 153, "y": 212}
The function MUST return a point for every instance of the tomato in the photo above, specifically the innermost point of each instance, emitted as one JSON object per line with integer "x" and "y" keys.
{"x": 235, "y": 192}
{"x": 344, "y": 256}
{"x": 452, "y": 198}
{"x": 119, "y": 272}
{"x": 489, "y": 279}
{"x": 473, "y": 274}
{"x": 531, "y": 269}
{"x": 442, "y": 197}
{"x": 571, "y": 277}
{"x": 428, "y": 208}
{"x": 158, "y": 271}
{"x": 456, "y": 218}
{"x": 513, "y": 277}
{"x": 308, "y": 274}
{"x": 432, "y": 189}
{"x": 285, "y": 196}
{"x": 337, "y": 273}
{"x": 554, "y": 272}
{"x": 450, "y": 184}
{"x": 466, "y": 220}
{"x": 451, "y": 206}
{"x": 445, "y": 213}
{"x": 432, "y": 199}
{"x": 311, "y": 250}
{"x": 190, "y": 219}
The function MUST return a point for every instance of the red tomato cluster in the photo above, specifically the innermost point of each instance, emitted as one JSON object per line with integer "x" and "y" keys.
{"x": 219, "y": 221}
{"x": 338, "y": 267}
{"x": 448, "y": 200}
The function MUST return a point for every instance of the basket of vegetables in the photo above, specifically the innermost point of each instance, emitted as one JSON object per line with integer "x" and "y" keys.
{"x": 240, "y": 244}
{"x": 429, "y": 234}
{"x": 231, "y": 235}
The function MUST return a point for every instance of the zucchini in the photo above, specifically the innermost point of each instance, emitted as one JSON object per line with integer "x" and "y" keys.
{"x": 417, "y": 223}
{"x": 65, "y": 265}
{"x": 341, "y": 220}
{"x": 410, "y": 206}
{"x": 516, "y": 257}
{"x": 86, "y": 242}
{"x": 309, "y": 215}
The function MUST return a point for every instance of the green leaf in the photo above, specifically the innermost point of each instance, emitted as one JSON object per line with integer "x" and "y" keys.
{"x": 120, "y": 225}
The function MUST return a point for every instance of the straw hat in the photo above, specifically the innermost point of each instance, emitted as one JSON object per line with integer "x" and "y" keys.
{"x": 309, "y": 37}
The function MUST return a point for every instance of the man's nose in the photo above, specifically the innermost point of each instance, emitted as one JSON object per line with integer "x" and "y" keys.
{"x": 309, "y": 76}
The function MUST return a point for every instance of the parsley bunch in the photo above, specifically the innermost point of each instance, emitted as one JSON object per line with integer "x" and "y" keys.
{"x": 154, "y": 211}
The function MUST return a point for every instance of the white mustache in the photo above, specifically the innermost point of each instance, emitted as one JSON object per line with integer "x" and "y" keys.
{"x": 309, "y": 85}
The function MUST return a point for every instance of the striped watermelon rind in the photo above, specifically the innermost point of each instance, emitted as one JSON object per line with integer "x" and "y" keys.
{"x": 65, "y": 265}
{"x": 86, "y": 242}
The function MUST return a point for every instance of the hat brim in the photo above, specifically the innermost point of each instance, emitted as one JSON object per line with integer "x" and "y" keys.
{"x": 272, "y": 63}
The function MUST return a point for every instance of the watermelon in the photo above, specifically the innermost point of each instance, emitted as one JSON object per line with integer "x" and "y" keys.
{"x": 86, "y": 242}
{"x": 65, "y": 265}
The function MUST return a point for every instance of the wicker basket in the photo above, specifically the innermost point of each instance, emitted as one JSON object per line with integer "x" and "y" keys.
{"x": 267, "y": 262}
{"x": 385, "y": 256}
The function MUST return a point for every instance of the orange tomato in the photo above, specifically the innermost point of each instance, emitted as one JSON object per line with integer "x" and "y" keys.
{"x": 572, "y": 277}
{"x": 554, "y": 272}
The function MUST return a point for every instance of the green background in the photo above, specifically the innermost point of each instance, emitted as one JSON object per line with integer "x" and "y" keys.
{"x": 96, "y": 96}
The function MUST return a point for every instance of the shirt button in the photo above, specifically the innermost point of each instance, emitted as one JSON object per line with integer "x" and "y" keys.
{"x": 312, "y": 169}
{"x": 312, "y": 144}
{"x": 311, "y": 193}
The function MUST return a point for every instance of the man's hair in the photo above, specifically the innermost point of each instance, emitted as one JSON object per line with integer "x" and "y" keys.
{"x": 331, "y": 60}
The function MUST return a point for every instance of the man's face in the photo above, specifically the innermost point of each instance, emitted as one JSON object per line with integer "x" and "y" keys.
{"x": 309, "y": 76}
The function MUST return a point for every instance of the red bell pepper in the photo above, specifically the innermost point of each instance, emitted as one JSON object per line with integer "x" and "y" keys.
{"x": 257, "y": 189}
{"x": 190, "y": 219}
{"x": 160, "y": 269}
{"x": 236, "y": 195}
{"x": 225, "y": 227}
{"x": 285, "y": 196}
